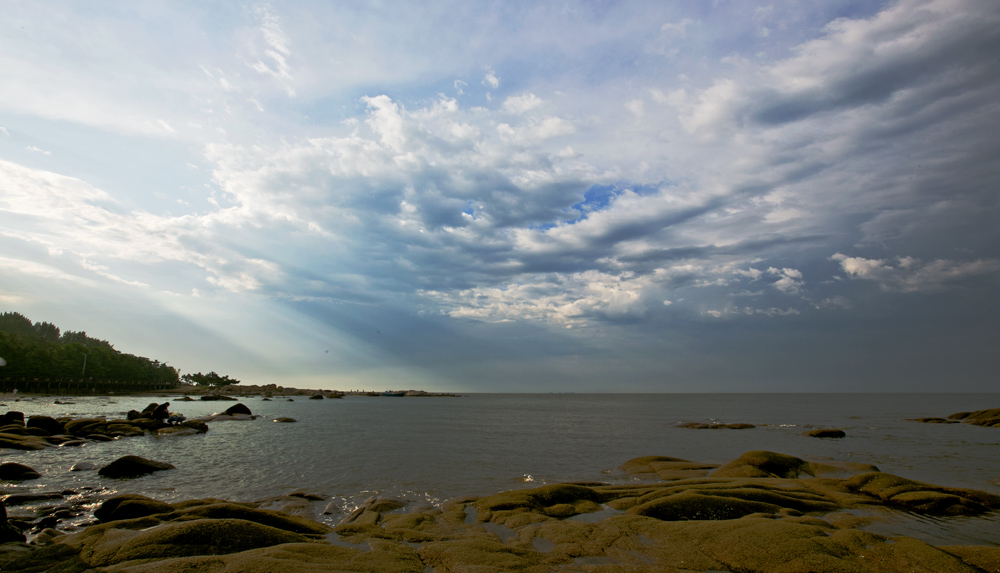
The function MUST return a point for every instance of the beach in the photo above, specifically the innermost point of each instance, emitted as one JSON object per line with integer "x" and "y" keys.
{"x": 449, "y": 484}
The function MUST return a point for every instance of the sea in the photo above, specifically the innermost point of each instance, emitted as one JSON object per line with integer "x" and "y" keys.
{"x": 436, "y": 448}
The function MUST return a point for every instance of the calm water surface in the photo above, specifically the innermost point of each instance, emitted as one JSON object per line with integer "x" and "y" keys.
{"x": 437, "y": 448}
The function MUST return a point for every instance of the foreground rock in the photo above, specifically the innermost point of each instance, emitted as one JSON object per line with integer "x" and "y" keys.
{"x": 764, "y": 511}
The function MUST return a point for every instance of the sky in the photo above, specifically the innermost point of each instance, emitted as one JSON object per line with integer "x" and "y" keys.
{"x": 572, "y": 196}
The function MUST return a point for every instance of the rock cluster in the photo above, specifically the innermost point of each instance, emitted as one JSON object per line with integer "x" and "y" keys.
{"x": 41, "y": 432}
{"x": 764, "y": 511}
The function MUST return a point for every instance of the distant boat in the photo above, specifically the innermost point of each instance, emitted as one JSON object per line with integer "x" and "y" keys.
{"x": 396, "y": 393}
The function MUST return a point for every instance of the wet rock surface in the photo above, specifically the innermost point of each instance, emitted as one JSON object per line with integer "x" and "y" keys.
{"x": 764, "y": 511}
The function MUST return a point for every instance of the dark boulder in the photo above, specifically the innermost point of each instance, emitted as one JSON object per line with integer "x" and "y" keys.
{"x": 46, "y": 423}
{"x": 131, "y": 467}
{"x": 161, "y": 412}
{"x": 130, "y": 506}
{"x": 237, "y": 409}
{"x": 133, "y": 415}
{"x": 12, "y": 471}
{"x": 286, "y": 420}
{"x": 7, "y": 531}
{"x": 148, "y": 410}
{"x": 12, "y": 418}
{"x": 316, "y": 397}
{"x": 825, "y": 433}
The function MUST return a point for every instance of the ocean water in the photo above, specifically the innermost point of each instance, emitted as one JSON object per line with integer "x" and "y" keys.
{"x": 438, "y": 448}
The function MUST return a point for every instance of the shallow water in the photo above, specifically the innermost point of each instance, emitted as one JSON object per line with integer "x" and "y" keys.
{"x": 438, "y": 448}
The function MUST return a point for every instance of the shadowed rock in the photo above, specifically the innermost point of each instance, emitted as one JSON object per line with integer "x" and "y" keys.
{"x": 131, "y": 467}
{"x": 47, "y": 424}
{"x": 237, "y": 409}
{"x": 130, "y": 506}
{"x": 12, "y": 471}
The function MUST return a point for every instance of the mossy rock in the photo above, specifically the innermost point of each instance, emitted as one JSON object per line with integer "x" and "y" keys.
{"x": 923, "y": 497}
{"x": 182, "y": 539}
{"x": 539, "y": 498}
{"x": 825, "y": 433}
{"x": 130, "y": 506}
{"x": 226, "y": 510}
{"x": 762, "y": 463}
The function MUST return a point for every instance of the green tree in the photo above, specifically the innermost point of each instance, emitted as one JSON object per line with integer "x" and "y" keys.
{"x": 210, "y": 379}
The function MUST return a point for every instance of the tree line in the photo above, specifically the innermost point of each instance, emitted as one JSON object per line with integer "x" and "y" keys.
{"x": 41, "y": 350}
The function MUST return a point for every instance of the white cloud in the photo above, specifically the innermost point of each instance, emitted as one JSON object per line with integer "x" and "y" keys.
{"x": 273, "y": 61}
{"x": 522, "y": 103}
{"x": 37, "y": 150}
{"x": 491, "y": 80}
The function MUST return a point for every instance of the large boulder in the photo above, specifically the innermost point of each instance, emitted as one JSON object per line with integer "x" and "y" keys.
{"x": 185, "y": 538}
{"x": 46, "y": 423}
{"x": 129, "y": 506}
{"x": 131, "y": 467}
{"x": 12, "y": 471}
{"x": 12, "y": 417}
{"x": 238, "y": 409}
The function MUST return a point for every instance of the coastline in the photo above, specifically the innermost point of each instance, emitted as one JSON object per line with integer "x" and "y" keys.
{"x": 797, "y": 504}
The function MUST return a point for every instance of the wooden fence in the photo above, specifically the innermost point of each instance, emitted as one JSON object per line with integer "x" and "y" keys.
{"x": 78, "y": 386}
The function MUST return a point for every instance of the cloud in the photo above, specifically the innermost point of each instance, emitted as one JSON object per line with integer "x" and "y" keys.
{"x": 276, "y": 50}
{"x": 911, "y": 275}
{"x": 522, "y": 103}
{"x": 636, "y": 107}
{"x": 37, "y": 150}
{"x": 491, "y": 80}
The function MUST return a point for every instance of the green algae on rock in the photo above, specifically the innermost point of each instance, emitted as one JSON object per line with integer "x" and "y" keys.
{"x": 764, "y": 511}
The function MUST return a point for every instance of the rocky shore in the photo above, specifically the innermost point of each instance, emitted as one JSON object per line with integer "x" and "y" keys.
{"x": 762, "y": 512}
